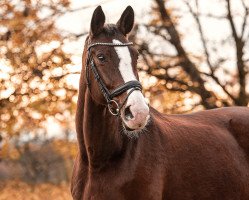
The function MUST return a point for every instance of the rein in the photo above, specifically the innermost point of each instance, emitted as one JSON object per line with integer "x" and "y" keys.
{"x": 113, "y": 106}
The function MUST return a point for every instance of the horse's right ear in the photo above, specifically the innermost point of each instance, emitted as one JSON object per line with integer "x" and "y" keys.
{"x": 97, "y": 22}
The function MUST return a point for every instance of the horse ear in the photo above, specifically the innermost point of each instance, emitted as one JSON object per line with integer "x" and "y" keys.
{"x": 126, "y": 21}
{"x": 97, "y": 22}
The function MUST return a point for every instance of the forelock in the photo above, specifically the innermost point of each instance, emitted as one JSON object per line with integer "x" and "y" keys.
{"x": 111, "y": 30}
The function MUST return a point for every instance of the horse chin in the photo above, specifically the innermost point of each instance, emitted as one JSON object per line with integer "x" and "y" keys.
{"x": 128, "y": 128}
{"x": 135, "y": 129}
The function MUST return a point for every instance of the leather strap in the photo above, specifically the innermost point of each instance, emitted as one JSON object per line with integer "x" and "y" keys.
{"x": 123, "y": 88}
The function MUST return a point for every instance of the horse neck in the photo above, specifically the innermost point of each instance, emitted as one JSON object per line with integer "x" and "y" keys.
{"x": 103, "y": 140}
{"x": 98, "y": 132}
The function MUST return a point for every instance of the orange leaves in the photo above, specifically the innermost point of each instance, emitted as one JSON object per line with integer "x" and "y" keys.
{"x": 32, "y": 46}
{"x": 65, "y": 148}
{"x": 8, "y": 152}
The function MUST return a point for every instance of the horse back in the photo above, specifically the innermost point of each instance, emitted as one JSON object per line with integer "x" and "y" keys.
{"x": 239, "y": 126}
{"x": 233, "y": 121}
{"x": 207, "y": 154}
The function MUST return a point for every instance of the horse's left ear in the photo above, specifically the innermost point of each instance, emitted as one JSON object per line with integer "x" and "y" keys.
{"x": 126, "y": 21}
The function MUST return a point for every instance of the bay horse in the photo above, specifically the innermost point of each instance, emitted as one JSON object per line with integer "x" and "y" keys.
{"x": 199, "y": 156}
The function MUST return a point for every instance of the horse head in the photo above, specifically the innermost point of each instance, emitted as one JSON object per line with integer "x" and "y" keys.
{"x": 111, "y": 69}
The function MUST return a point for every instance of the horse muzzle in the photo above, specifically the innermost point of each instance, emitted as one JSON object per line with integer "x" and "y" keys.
{"x": 135, "y": 115}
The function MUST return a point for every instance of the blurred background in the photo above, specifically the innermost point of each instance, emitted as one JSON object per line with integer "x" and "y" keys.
{"x": 194, "y": 55}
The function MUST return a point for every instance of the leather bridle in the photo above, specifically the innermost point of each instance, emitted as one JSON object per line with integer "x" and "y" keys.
{"x": 113, "y": 106}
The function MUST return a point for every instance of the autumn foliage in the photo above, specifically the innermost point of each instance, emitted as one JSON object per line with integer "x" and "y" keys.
{"x": 34, "y": 65}
{"x": 34, "y": 86}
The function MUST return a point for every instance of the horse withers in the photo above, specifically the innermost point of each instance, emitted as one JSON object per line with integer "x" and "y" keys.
{"x": 130, "y": 151}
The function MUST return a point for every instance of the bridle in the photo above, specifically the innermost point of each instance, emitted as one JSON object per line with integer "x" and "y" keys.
{"x": 113, "y": 106}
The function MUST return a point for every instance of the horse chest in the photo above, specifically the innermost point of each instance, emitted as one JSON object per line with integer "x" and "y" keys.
{"x": 124, "y": 184}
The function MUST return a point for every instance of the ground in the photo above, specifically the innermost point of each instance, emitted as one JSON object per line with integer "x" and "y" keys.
{"x": 17, "y": 190}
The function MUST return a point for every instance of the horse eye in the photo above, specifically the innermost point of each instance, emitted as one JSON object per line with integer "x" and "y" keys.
{"x": 101, "y": 57}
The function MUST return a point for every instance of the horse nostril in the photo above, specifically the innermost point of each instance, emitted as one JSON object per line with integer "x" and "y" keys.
{"x": 128, "y": 114}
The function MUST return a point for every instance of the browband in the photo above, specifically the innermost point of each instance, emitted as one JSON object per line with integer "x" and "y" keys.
{"x": 108, "y": 44}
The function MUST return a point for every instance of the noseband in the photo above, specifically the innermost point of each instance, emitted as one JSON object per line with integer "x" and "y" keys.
{"x": 113, "y": 106}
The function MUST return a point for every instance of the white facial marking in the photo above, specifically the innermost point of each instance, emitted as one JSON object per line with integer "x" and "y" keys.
{"x": 136, "y": 100}
{"x": 125, "y": 67}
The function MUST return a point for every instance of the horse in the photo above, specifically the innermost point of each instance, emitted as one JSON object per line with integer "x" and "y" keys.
{"x": 130, "y": 151}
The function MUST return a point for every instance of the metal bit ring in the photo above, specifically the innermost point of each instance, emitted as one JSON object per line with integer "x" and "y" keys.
{"x": 114, "y": 111}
